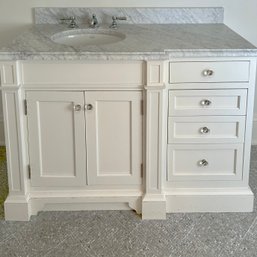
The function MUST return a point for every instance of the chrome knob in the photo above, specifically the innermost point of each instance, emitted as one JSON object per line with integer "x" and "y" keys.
{"x": 208, "y": 73}
{"x": 203, "y": 163}
{"x": 205, "y": 102}
{"x": 77, "y": 107}
{"x": 204, "y": 130}
{"x": 89, "y": 107}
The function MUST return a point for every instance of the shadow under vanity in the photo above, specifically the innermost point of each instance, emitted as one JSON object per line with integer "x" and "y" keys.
{"x": 153, "y": 114}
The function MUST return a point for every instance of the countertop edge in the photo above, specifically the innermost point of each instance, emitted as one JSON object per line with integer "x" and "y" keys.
{"x": 166, "y": 55}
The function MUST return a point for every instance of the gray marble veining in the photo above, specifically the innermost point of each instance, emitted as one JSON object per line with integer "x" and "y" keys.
{"x": 142, "y": 42}
{"x": 134, "y": 15}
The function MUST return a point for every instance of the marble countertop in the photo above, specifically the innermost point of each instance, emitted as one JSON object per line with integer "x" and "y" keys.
{"x": 142, "y": 42}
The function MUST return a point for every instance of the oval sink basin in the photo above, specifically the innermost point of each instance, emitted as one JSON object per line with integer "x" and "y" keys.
{"x": 84, "y": 37}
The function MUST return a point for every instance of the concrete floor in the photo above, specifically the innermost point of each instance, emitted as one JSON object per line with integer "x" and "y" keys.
{"x": 123, "y": 233}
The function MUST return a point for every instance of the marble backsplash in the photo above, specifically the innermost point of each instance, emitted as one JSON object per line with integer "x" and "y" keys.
{"x": 44, "y": 15}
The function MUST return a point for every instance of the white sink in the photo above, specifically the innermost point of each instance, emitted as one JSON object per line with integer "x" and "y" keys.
{"x": 84, "y": 37}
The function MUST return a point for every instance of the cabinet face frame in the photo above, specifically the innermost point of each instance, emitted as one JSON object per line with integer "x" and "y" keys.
{"x": 46, "y": 138}
{"x": 246, "y": 90}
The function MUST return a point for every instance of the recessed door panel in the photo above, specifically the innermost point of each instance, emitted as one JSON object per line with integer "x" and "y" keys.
{"x": 114, "y": 137}
{"x": 57, "y": 138}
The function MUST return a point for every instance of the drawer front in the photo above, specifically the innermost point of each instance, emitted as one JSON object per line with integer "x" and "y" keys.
{"x": 204, "y": 162}
{"x": 209, "y": 129}
{"x": 95, "y": 73}
{"x": 197, "y": 72}
{"x": 207, "y": 102}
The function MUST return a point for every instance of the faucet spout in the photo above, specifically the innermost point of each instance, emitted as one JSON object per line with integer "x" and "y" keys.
{"x": 94, "y": 22}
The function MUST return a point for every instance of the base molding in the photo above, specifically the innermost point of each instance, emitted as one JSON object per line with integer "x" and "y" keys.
{"x": 17, "y": 208}
{"x": 151, "y": 206}
{"x": 85, "y": 203}
{"x": 154, "y": 207}
{"x": 240, "y": 200}
{"x": 21, "y": 208}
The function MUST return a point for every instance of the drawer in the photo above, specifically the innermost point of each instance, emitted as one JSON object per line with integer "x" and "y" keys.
{"x": 207, "y": 129}
{"x": 105, "y": 74}
{"x": 207, "y": 102}
{"x": 197, "y": 72}
{"x": 205, "y": 162}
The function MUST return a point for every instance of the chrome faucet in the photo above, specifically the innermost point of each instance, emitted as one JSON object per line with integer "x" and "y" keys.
{"x": 114, "y": 24}
{"x": 94, "y": 22}
{"x": 72, "y": 21}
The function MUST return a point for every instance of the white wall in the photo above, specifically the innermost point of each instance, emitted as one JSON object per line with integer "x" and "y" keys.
{"x": 240, "y": 15}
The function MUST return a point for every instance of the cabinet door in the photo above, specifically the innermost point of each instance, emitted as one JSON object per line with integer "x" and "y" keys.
{"x": 56, "y": 128}
{"x": 114, "y": 137}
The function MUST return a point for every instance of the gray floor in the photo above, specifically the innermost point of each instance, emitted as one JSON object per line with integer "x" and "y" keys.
{"x": 123, "y": 233}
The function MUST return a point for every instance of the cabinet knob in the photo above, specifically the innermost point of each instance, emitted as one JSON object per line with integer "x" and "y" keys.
{"x": 205, "y": 102}
{"x": 204, "y": 130}
{"x": 89, "y": 107}
{"x": 77, "y": 107}
{"x": 203, "y": 163}
{"x": 208, "y": 73}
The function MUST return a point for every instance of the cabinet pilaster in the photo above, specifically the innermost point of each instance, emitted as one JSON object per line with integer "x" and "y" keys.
{"x": 17, "y": 203}
{"x": 154, "y": 203}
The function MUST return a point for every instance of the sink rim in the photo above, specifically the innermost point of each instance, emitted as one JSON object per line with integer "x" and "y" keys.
{"x": 81, "y": 32}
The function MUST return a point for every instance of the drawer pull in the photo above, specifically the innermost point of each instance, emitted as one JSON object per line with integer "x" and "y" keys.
{"x": 205, "y": 102}
{"x": 77, "y": 107}
{"x": 208, "y": 73}
{"x": 204, "y": 130}
{"x": 203, "y": 163}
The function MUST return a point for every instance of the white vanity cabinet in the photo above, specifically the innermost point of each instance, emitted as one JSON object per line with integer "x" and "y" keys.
{"x": 156, "y": 136}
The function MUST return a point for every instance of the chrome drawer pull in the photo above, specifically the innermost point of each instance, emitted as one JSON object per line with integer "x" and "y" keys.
{"x": 77, "y": 107}
{"x": 205, "y": 102}
{"x": 203, "y": 163}
{"x": 204, "y": 130}
{"x": 208, "y": 73}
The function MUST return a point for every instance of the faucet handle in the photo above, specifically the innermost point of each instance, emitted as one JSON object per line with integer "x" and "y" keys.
{"x": 114, "y": 24}
{"x": 72, "y": 18}
{"x": 72, "y": 21}
{"x": 120, "y": 18}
